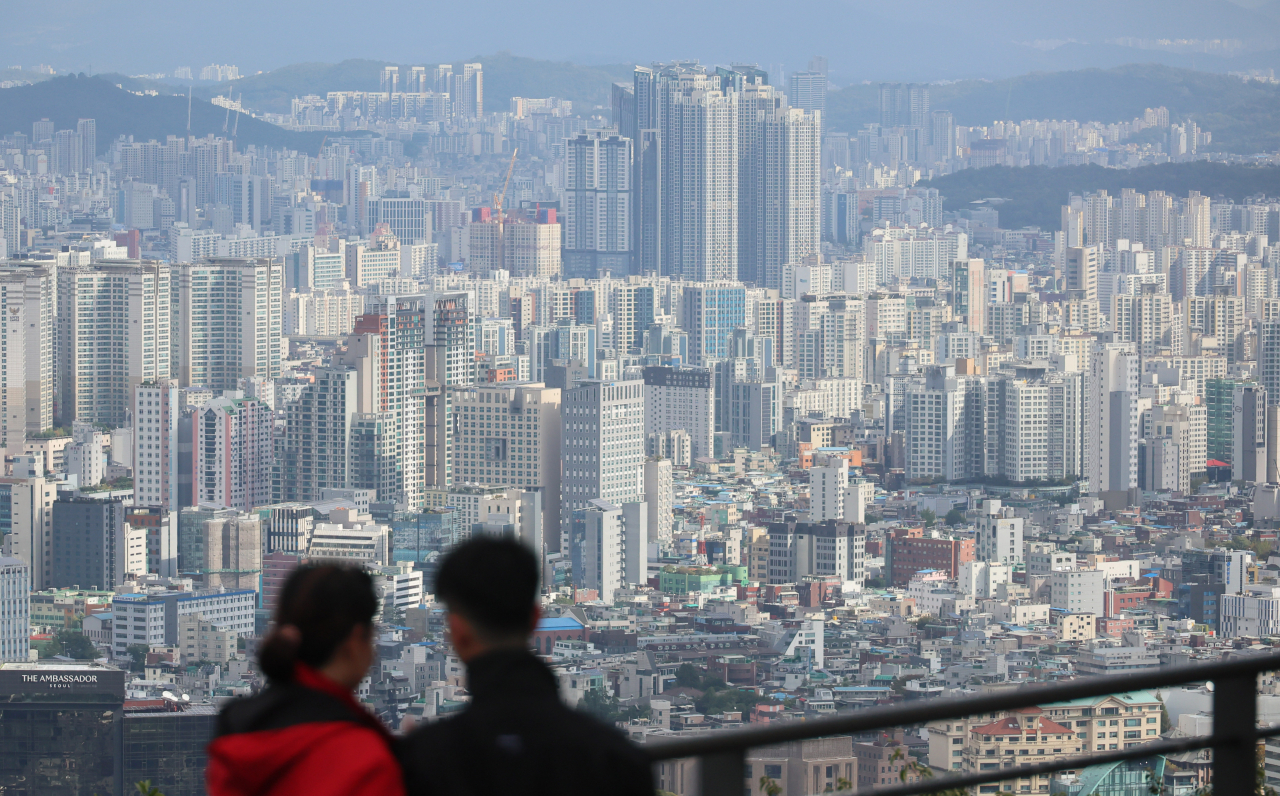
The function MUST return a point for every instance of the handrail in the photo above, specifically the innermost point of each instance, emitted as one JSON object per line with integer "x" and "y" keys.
{"x": 1235, "y": 690}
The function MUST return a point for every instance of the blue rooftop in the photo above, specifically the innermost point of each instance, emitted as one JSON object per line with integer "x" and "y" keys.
{"x": 559, "y": 623}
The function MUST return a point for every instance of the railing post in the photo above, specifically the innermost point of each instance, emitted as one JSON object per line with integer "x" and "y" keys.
{"x": 723, "y": 773}
{"x": 1235, "y": 721}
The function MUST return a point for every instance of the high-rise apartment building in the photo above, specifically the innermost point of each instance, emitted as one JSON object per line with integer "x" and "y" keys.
{"x": 602, "y": 447}
{"x": 229, "y": 318}
{"x": 26, "y": 520}
{"x": 696, "y": 157}
{"x": 313, "y": 453}
{"x": 28, "y": 346}
{"x": 609, "y": 546}
{"x": 155, "y": 444}
{"x": 597, "y": 205}
{"x": 1112, "y": 418}
{"x": 113, "y": 334}
{"x": 233, "y": 453}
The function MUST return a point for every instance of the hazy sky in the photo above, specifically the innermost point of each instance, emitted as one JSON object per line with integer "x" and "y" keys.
{"x": 933, "y": 39}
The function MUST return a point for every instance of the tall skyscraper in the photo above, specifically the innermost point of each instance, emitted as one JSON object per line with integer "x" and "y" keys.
{"x": 602, "y": 448}
{"x": 779, "y": 184}
{"x": 598, "y": 205}
{"x": 697, "y": 125}
{"x": 313, "y": 453}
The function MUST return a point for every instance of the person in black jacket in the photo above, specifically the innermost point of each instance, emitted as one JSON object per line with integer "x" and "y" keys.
{"x": 516, "y": 736}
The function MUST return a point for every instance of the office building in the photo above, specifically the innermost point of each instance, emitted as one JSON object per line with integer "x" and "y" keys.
{"x": 1249, "y": 434}
{"x": 711, "y": 311}
{"x": 510, "y": 436}
{"x": 602, "y": 448}
{"x": 92, "y": 544}
{"x": 15, "y": 609}
{"x": 680, "y": 400}
{"x": 816, "y": 549}
{"x": 160, "y": 527}
{"x": 63, "y": 727}
{"x": 1078, "y": 591}
{"x": 153, "y": 619}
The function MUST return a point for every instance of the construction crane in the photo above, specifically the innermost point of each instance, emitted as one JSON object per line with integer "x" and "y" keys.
{"x": 497, "y": 209}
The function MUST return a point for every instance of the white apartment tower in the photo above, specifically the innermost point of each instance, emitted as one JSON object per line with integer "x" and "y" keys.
{"x": 699, "y": 184}
{"x": 827, "y": 491}
{"x": 155, "y": 444}
{"x": 228, "y": 322}
{"x": 999, "y": 536}
{"x": 113, "y": 334}
{"x": 27, "y": 301}
{"x": 1112, "y": 418}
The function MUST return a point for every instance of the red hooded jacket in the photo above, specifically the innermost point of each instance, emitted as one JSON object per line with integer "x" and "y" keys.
{"x": 306, "y": 737}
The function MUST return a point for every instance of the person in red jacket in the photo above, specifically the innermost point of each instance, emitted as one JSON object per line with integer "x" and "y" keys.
{"x": 305, "y": 733}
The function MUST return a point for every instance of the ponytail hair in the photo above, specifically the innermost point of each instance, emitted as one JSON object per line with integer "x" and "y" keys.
{"x": 318, "y": 608}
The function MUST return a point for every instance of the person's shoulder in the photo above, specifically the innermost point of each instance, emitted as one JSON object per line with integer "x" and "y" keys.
{"x": 277, "y": 707}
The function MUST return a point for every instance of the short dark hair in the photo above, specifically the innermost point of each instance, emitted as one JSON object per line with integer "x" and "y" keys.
{"x": 491, "y": 581}
{"x": 324, "y": 602}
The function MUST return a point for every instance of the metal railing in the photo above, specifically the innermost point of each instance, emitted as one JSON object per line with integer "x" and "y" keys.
{"x": 1234, "y": 739}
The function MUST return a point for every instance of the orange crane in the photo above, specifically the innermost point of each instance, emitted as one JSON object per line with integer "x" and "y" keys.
{"x": 497, "y": 207}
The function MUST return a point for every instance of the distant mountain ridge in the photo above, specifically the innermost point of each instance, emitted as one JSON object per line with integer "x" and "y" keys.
{"x": 1244, "y": 117}
{"x": 66, "y": 99}
{"x": 1034, "y": 195}
{"x": 505, "y": 76}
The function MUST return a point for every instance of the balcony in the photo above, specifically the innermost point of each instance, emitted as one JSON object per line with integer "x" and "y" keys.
{"x": 722, "y": 756}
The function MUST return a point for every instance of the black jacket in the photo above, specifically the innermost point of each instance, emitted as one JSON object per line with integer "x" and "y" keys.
{"x": 517, "y": 737}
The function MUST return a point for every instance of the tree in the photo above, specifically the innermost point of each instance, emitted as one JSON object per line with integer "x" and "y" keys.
{"x": 68, "y": 643}
{"x": 145, "y": 788}
{"x": 954, "y": 517}
{"x": 769, "y": 787}
{"x": 929, "y": 517}
{"x": 138, "y": 653}
{"x": 688, "y": 676}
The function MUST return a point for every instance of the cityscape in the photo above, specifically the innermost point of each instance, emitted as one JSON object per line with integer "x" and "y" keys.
{"x": 813, "y": 396}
